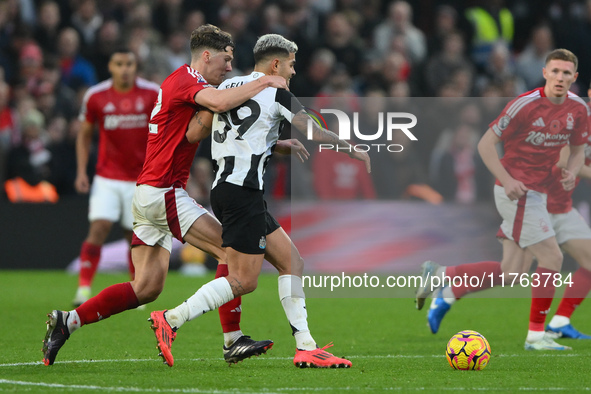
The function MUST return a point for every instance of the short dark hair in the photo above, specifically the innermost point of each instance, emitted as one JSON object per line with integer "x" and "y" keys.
{"x": 563, "y": 54}
{"x": 273, "y": 45}
{"x": 120, "y": 49}
{"x": 210, "y": 37}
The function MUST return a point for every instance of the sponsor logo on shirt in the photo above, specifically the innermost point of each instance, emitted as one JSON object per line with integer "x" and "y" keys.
{"x": 539, "y": 122}
{"x": 546, "y": 139}
{"x": 129, "y": 121}
{"x": 109, "y": 108}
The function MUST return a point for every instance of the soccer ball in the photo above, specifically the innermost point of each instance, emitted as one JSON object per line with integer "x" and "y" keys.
{"x": 468, "y": 350}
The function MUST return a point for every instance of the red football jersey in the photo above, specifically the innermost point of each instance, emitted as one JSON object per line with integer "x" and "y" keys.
{"x": 123, "y": 126}
{"x": 169, "y": 154}
{"x": 533, "y": 131}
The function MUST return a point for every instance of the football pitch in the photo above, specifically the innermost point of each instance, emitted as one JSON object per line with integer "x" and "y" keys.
{"x": 386, "y": 339}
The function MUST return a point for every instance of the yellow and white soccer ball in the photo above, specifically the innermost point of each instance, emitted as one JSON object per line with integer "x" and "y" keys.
{"x": 468, "y": 350}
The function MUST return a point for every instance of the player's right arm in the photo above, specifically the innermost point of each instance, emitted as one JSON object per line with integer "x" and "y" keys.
{"x": 226, "y": 99}
{"x": 487, "y": 149}
{"x": 199, "y": 126}
{"x": 321, "y": 135}
{"x": 83, "y": 142}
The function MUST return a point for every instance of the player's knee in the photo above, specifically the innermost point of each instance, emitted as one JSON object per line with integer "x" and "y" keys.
{"x": 249, "y": 283}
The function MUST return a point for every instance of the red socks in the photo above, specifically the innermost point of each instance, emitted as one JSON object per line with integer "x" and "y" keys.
{"x": 231, "y": 311}
{"x": 575, "y": 294}
{"x": 541, "y": 299}
{"x": 479, "y": 270}
{"x": 112, "y": 300}
{"x": 89, "y": 258}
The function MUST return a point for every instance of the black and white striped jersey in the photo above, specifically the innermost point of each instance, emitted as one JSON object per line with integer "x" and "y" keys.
{"x": 243, "y": 138}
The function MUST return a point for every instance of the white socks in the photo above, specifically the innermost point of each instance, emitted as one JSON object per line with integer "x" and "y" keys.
{"x": 448, "y": 295}
{"x": 534, "y": 336}
{"x": 559, "y": 321}
{"x": 210, "y": 296}
{"x": 72, "y": 320}
{"x": 293, "y": 300}
{"x": 231, "y": 337}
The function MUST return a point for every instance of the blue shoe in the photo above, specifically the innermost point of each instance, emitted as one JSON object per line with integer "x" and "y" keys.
{"x": 567, "y": 331}
{"x": 437, "y": 311}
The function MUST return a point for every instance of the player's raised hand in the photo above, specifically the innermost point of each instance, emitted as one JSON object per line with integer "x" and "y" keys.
{"x": 294, "y": 147}
{"x": 363, "y": 156}
{"x": 82, "y": 184}
{"x": 274, "y": 81}
{"x": 568, "y": 180}
{"x": 514, "y": 189}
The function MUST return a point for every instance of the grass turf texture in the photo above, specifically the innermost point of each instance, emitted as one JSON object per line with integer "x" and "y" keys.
{"x": 387, "y": 340}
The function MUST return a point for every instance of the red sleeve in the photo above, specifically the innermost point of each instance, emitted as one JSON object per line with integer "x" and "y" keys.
{"x": 88, "y": 111}
{"x": 508, "y": 121}
{"x": 187, "y": 85}
{"x": 581, "y": 130}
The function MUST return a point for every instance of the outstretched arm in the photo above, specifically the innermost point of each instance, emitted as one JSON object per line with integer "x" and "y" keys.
{"x": 226, "y": 99}
{"x": 487, "y": 149}
{"x": 321, "y": 135}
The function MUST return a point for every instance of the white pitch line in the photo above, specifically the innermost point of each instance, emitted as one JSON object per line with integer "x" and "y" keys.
{"x": 275, "y": 390}
{"x": 263, "y": 358}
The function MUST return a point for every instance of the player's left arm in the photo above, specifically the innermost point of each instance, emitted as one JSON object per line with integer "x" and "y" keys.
{"x": 200, "y": 126}
{"x": 292, "y": 147}
{"x": 575, "y": 162}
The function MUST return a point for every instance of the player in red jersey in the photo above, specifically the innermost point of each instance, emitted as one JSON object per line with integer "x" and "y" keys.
{"x": 121, "y": 107}
{"x": 161, "y": 206}
{"x": 533, "y": 128}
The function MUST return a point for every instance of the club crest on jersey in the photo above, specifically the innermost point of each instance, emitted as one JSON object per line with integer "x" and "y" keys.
{"x": 139, "y": 105}
{"x": 504, "y": 122}
{"x": 263, "y": 242}
{"x": 570, "y": 121}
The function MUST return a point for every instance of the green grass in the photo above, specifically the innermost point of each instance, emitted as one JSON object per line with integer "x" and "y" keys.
{"x": 387, "y": 340}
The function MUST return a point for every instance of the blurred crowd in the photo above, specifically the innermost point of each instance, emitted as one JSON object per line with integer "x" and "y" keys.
{"x": 371, "y": 54}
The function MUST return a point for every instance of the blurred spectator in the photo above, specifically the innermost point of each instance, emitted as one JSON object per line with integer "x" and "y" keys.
{"x": 308, "y": 82}
{"x": 62, "y": 146}
{"x": 176, "y": 52}
{"x": 30, "y": 159}
{"x": 341, "y": 38}
{"x": 440, "y": 68}
{"x": 446, "y": 21}
{"x": 493, "y": 24}
{"x": 531, "y": 61}
{"x": 47, "y": 27}
{"x": 55, "y": 98}
{"x": 87, "y": 20}
{"x": 397, "y": 167}
{"x": 236, "y": 24}
{"x": 166, "y": 16}
{"x": 461, "y": 170}
{"x": 31, "y": 67}
{"x": 76, "y": 71}
{"x": 108, "y": 38}
{"x": 193, "y": 20}
{"x": 399, "y": 23}
{"x": 500, "y": 69}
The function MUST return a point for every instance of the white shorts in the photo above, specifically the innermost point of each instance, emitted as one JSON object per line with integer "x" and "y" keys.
{"x": 570, "y": 225}
{"x": 110, "y": 199}
{"x": 525, "y": 221}
{"x": 162, "y": 213}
